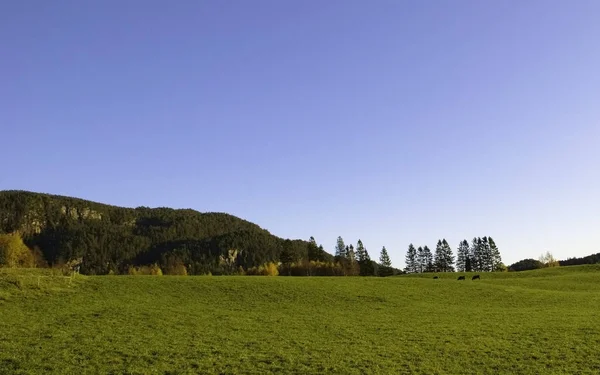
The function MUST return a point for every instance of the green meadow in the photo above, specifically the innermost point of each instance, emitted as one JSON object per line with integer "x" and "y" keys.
{"x": 535, "y": 322}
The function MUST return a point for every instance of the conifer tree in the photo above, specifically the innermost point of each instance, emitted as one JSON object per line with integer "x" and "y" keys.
{"x": 427, "y": 260}
{"x": 364, "y": 260}
{"x": 340, "y": 248}
{"x": 438, "y": 260}
{"x": 411, "y": 260}
{"x": 361, "y": 252}
{"x": 385, "y": 268}
{"x": 421, "y": 262}
{"x": 462, "y": 255}
{"x": 495, "y": 255}
{"x": 350, "y": 254}
{"x": 384, "y": 258}
{"x": 485, "y": 256}
{"x": 476, "y": 247}
{"x": 447, "y": 256}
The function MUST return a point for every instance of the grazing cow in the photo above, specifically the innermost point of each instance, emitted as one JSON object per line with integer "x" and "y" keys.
{"x": 461, "y": 278}
{"x": 476, "y": 277}
{"x": 435, "y": 277}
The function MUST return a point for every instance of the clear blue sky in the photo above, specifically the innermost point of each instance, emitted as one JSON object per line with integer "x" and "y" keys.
{"x": 390, "y": 121}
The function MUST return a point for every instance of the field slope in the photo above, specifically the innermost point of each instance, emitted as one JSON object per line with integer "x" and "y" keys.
{"x": 538, "y": 322}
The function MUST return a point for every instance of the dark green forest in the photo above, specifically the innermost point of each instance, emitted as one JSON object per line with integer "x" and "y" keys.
{"x": 109, "y": 239}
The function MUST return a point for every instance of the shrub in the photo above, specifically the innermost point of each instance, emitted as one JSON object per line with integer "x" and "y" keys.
{"x": 267, "y": 269}
{"x": 177, "y": 269}
{"x": 153, "y": 270}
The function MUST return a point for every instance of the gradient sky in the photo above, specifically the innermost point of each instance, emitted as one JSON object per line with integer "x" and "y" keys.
{"x": 390, "y": 121}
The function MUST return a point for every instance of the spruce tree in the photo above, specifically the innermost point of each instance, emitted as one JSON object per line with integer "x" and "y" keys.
{"x": 438, "y": 261}
{"x": 462, "y": 256}
{"x": 495, "y": 255}
{"x": 448, "y": 257}
{"x": 476, "y": 247}
{"x": 421, "y": 262}
{"x": 350, "y": 255}
{"x": 427, "y": 260}
{"x": 340, "y": 248}
{"x": 361, "y": 252}
{"x": 411, "y": 260}
{"x": 385, "y": 268}
{"x": 384, "y": 258}
{"x": 364, "y": 260}
{"x": 486, "y": 255}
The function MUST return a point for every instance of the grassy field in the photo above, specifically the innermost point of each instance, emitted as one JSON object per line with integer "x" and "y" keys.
{"x": 537, "y": 322}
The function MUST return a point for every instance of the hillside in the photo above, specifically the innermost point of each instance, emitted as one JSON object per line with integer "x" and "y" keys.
{"x": 110, "y": 239}
{"x": 531, "y": 322}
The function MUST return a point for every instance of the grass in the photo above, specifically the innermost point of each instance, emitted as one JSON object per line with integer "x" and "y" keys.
{"x": 536, "y": 322}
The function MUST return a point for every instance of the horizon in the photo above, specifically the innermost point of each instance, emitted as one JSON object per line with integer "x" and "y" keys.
{"x": 389, "y": 122}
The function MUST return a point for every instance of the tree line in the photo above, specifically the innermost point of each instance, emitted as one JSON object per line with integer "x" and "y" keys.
{"x": 481, "y": 256}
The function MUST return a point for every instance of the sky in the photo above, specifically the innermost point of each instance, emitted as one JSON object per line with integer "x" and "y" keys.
{"x": 394, "y": 122}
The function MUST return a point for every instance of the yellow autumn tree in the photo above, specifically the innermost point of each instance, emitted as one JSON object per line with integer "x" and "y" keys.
{"x": 14, "y": 252}
{"x": 549, "y": 260}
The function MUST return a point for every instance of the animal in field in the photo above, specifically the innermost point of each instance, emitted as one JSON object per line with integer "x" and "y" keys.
{"x": 435, "y": 277}
{"x": 461, "y": 278}
{"x": 476, "y": 277}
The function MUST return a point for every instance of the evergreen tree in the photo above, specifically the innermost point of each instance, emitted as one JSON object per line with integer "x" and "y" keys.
{"x": 340, "y": 248}
{"x": 385, "y": 268}
{"x": 462, "y": 256}
{"x": 495, "y": 255}
{"x": 361, "y": 253}
{"x": 411, "y": 260}
{"x": 476, "y": 248}
{"x": 384, "y": 258}
{"x": 485, "y": 256}
{"x": 468, "y": 264}
{"x": 350, "y": 254}
{"x": 364, "y": 260}
{"x": 351, "y": 266}
{"x": 421, "y": 262}
{"x": 427, "y": 260}
{"x": 438, "y": 260}
{"x": 447, "y": 256}
{"x": 313, "y": 251}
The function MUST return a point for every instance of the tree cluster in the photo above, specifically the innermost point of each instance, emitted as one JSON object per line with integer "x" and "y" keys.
{"x": 357, "y": 261}
{"x": 482, "y": 256}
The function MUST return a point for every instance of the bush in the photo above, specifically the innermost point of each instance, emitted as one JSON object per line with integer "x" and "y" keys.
{"x": 153, "y": 270}
{"x": 177, "y": 269}
{"x": 268, "y": 269}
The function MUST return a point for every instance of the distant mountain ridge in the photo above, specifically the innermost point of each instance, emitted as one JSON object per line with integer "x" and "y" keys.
{"x": 110, "y": 238}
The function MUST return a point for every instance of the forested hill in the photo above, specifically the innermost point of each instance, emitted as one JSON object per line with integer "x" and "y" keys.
{"x": 111, "y": 239}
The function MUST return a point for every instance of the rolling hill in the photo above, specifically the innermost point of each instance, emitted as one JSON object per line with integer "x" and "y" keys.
{"x": 110, "y": 239}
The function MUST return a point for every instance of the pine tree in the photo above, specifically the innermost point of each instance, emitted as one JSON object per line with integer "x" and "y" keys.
{"x": 384, "y": 258}
{"x": 438, "y": 262}
{"x": 427, "y": 260}
{"x": 411, "y": 260}
{"x": 361, "y": 252}
{"x": 462, "y": 256}
{"x": 340, "y": 248}
{"x": 448, "y": 257}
